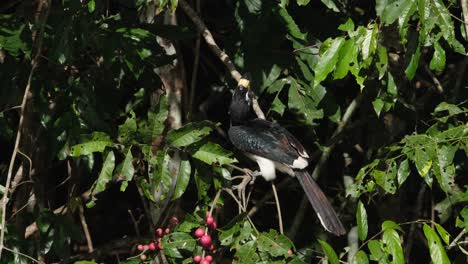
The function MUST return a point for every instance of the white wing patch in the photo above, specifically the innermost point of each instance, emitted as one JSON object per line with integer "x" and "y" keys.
{"x": 300, "y": 163}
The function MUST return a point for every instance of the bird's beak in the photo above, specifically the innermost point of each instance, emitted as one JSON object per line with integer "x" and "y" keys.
{"x": 243, "y": 83}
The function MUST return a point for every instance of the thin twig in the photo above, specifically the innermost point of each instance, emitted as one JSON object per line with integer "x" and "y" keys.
{"x": 135, "y": 222}
{"x": 34, "y": 63}
{"x": 436, "y": 81}
{"x": 268, "y": 196}
{"x": 89, "y": 242}
{"x": 22, "y": 254}
{"x": 278, "y": 208}
{"x": 458, "y": 237}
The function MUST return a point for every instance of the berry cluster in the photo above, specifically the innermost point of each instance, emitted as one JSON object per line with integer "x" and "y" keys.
{"x": 205, "y": 239}
{"x": 157, "y": 245}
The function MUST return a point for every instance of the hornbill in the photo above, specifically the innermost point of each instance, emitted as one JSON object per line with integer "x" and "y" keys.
{"x": 274, "y": 148}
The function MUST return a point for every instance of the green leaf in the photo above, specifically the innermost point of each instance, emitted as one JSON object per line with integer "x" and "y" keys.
{"x": 189, "y": 134}
{"x": 446, "y": 173}
{"x": 369, "y": 42}
{"x": 277, "y": 86}
{"x": 438, "y": 58}
{"x": 422, "y": 161}
{"x": 329, "y": 252}
{"x": 403, "y": 172}
{"x": 393, "y": 247}
{"x": 376, "y": 250}
{"x": 348, "y": 55}
{"x": 278, "y": 106}
{"x": 211, "y": 153}
{"x": 290, "y": 24}
{"x": 176, "y": 242}
{"x": 378, "y": 104}
{"x": 436, "y": 249}
{"x": 247, "y": 254}
{"x": 348, "y": 26}
{"x": 203, "y": 180}
{"x": 445, "y": 23}
{"x": 303, "y": 2}
{"x": 394, "y": 10}
{"x": 404, "y": 17}
{"x": 382, "y": 63}
{"x": 450, "y": 108}
{"x": 361, "y": 257}
{"x": 91, "y": 6}
{"x": 182, "y": 179}
{"x": 127, "y": 170}
{"x": 328, "y": 59}
{"x": 304, "y": 104}
{"x": 331, "y": 5}
{"x": 413, "y": 64}
{"x": 89, "y": 147}
{"x": 361, "y": 218}
{"x": 388, "y": 224}
{"x": 443, "y": 233}
{"x": 128, "y": 129}
{"x": 106, "y": 173}
{"x": 274, "y": 244}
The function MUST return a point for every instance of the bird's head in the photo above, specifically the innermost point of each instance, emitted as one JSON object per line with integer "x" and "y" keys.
{"x": 241, "y": 103}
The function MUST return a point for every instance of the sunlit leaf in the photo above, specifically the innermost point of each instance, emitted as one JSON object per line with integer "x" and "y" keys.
{"x": 361, "y": 218}
{"x": 328, "y": 60}
{"x": 392, "y": 241}
{"x": 106, "y": 173}
{"x": 212, "y": 153}
{"x": 176, "y": 242}
{"x": 329, "y": 252}
{"x": 127, "y": 170}
{"x": 438, "y": 58}
{"x": 436, "y": 249}
{"x": 189, "y": 134}
{"x": 182, "y": 179}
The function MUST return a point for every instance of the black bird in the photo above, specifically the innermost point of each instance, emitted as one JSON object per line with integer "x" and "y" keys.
{"x": 274, "y": 148}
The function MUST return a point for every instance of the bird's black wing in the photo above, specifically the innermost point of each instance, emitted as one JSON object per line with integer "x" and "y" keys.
{"x": 268, "y": 140}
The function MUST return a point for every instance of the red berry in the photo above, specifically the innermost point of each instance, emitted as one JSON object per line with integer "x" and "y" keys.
{"x": 140, "y": 247}
{"x": 290, "y": 252}
{"x": 159, "y": 232}
{"x": 145, "y": 247}
{"x": 213, "y": 226}
{"x": 143, "y": 257}
{"x": 199, "y": 232}
{"x": 196, "y": 258}
{"x": 211, "y": 248}
{"x": 174, "y": 221}
{"x": 209, "y": 220}
{"x": 208, "y": 258}
{"x": 167, "y": 231}
{"x": 204, "y": 262}
{"x": 152, "y": 246}
{"x": 207, "y": 214}
{"x": 205, "y": 241}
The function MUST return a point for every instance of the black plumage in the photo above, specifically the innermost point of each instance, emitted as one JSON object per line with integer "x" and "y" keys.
{"x": 274, "y": 148}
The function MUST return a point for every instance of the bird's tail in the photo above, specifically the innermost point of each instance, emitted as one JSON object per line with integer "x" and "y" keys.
{"x": 320, "y": 203}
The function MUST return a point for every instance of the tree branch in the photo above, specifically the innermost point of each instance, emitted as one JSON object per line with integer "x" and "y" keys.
{"x": 223, "y": 57}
